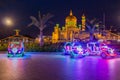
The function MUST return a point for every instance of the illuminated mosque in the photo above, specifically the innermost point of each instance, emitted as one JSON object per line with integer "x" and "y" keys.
{"x": 72, "y": 31}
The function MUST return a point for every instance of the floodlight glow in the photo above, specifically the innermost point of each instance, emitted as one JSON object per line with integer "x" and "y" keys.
{"x": 8, "y": 21}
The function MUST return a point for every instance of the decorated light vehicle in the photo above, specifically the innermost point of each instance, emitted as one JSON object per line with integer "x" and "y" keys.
{"x": 101, "y": 49}
{"x": 67, "y": 48}
{"x": 77, "y": 50}
{"x": 15, "y": 49}
{"x": 93, "y": 48}
{"x": 107, "y": 51}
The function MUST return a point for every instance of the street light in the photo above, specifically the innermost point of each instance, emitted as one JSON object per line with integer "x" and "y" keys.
{"x": 8, "y": 21}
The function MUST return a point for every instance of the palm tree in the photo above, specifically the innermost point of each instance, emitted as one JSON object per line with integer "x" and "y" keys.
{"x": 41, "y": 24}
{"x": 92, "y": 25}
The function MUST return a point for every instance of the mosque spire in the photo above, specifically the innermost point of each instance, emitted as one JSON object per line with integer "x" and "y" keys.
{"x": 83, "y": 22}
{"x": 71, "y": 13}
{"x": 83, "y": 14}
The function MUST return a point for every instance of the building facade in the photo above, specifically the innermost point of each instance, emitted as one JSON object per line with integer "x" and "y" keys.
{"x": 17, "y": 37}
{"x": 70, "y": 31}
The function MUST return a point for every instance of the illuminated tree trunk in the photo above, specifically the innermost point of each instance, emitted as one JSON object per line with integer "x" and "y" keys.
{"x": 41, "y": 38}
{"x": 91, "y": 36}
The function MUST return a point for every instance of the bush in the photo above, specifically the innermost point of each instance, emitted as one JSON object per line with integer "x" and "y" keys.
{"x": 3, "y": 47}
{"x": 34, "y": 47}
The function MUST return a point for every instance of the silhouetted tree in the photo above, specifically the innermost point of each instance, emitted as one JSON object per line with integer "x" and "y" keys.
{"x": 92, "y": 25}
{"x": 41, "y": 24}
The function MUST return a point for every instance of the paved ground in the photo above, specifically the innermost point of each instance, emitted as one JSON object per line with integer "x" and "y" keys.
{"x": 58, "y": 67}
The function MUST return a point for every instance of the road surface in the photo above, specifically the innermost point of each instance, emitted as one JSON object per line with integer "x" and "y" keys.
{"x": 52, "y": 66}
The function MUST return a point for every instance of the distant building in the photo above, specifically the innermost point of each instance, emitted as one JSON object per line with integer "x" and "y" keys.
{"x": 47, "y": 39}
{"x": 67, "y": 31}
{"x": 72, "y": 31}
{"x": 17, "y": 37}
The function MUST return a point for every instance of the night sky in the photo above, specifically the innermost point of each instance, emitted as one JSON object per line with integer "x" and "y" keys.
{"x": 21, "y": 10}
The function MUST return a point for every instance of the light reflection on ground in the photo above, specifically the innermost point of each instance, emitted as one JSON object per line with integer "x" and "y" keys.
{"x": 58, "y": 67}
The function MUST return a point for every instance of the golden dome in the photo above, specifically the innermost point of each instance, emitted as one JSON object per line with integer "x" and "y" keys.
{"x": 71, "y": 17}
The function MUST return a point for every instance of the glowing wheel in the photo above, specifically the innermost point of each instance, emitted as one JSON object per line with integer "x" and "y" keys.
{"x": 103, "y": 55}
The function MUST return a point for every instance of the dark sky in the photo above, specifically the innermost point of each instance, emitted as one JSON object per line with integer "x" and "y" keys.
{"x": 21, "y": 10}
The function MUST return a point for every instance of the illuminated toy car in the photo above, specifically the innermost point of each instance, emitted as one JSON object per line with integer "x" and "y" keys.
{"x": 107, "y": 51}
{"x": 15, "y": 49}
{"x": 93, "y": 48}
{"x": 77, "y": 51}
{"x": 67, "y": 48}
{"x": 101, "y": 49}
